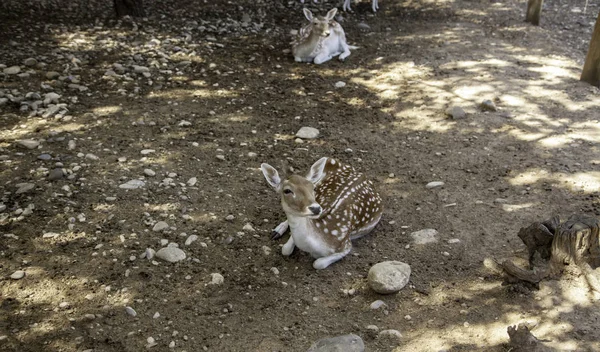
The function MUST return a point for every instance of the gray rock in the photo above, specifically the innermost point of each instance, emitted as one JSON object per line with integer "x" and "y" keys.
{"x": 488, "y": 105}
{"x": 363, "y": 25}
{"x": 192, "y": 181}
{"x": 171, "y": 254}
{"x": 51, "y": 98}
{"x": 13, "y": 70}
{"x": 30, "y": 62}
{"x": 130, "y": 311}
{"x": 344, "y": 343}
{"x": 52, "y": 75}
{"x": 91, "y": 156}
{"x": 150, "y": 253}
{"x": 28, "y": 143}
{"x": 388, "y": 277}
{"x": 2, "y": 207}
{"x": 149, "y": 172}
{"x": 17, "y": 275}
{"x": 147, "y": 151}
{"x": 424, "y": 236}
{"x": 434, "y": 184}
{"x": 24, "y": 187}
{"x": 160, "y": 226}
{"x": 340, "y": 84}
{"x": 132, "y": 184}
{"x": 456, "y": 112}
{"x": 390, "y": 333}
{"x": 307, "y": 133}
{"x": 56, "y": 174}
{"x": 378, "y": 304}
{"x": 45, "y": 157}
{"x": 216, "y": 279}
{"x": 191, "y": 239}
{"x": 140, "y": 69}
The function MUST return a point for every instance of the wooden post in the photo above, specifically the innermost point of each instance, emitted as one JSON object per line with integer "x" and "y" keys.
{"x": 133, "y": 8}
{"x": 534, "y": 10}
{"x": 591, "y": 68}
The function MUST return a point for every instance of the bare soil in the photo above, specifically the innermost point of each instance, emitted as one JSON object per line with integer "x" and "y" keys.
{"x": 538, "y": 155}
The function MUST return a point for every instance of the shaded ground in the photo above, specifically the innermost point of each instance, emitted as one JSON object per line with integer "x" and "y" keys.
{"x": 538, "y": 155}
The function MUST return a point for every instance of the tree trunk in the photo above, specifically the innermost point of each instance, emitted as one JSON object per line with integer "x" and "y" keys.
{"x": 577, "y": 241}
{"x": 591, "y": 69}
{"x": 134, "y": 8}
{"x": 534, "y": 10}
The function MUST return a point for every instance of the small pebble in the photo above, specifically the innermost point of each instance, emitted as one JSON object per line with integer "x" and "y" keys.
{"x": 130, "y": 311}
{"x": 17, "y": 275}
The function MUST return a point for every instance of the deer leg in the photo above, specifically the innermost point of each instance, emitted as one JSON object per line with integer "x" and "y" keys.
{"x": 279, "y": 230}
{"x": 288, "y": 247}
{"x": 324, "y": 262}
{"x": 375, "y": 5}
{"x": 346, "y": 52}
{"x": 346, "y": 6}
{"x": 321, "y": 58}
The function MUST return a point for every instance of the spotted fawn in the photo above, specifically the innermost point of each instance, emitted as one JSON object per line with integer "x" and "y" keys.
{"x": 325, "y": 210}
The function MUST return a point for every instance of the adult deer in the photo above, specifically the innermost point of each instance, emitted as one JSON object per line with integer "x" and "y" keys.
{"x": 325, "y": 210}
{"x": 320, "y": 40}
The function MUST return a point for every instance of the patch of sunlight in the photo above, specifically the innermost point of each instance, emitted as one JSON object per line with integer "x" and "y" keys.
{"x": 198, "y": 82}
{"x": 473, "y": 92}
{"x": 284, "y": 137}
{"x": 103, "y": 207}
{"x": 555, "y": 141}
{"x": 516, "y": 207}
{"x": 106, "y": 110}
{"x": 511, "y": 100}
{"x": 526, "y": 136}
{"x": 239, "y": 118}
{"x": 582, "y": 181}
{"x": 22, "y": 130}
{"x": 181, "y": 93}
{"x": 550, "y": 72}
{"x": 162, "y": 207}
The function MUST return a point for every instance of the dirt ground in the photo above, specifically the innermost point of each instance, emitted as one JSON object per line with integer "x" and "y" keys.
{"x": 222, "y": 96}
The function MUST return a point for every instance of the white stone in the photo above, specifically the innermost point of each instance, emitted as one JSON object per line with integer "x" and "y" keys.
{"x": 307, "y": 133}
{"x": 434, "y": 184}
{"x": 160, "y": 226}
{"x": 133, "y": 184}
{"x": 216, "y": 279}
{"x": 340, "y": 84}
{"x": 50, "y": 235}
{"x": 184, "y": 123}
{"x": 424, "y": 236}
{"x": 17, "y": 275}
{"x": 171, "y": 254}
{"x": 150, "y": 253}
{"x": 149, "y": 172}
{"x": 248, "y": 227}
{"x": 24, "y": 187}
{"x": 13, "y": 70}
{"x": 147, "y": 151}
{"x": 345, "y": 343}
{"x": 388, "y": 277}
{"x": 391, "y": 333}
{"x": 191, "y": 239}
{"x": 91, "y": 156}
{"x": 28, "y": 143}
{"x": 192, "y": 181}
{"x": 378, "y": 304}
{"x": 130, "y": 311}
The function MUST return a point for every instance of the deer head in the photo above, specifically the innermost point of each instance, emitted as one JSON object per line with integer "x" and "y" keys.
{"x": 320, "y": 24}
{"x": 297, "y": 192}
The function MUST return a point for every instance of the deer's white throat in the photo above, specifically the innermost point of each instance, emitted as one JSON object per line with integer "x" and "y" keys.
{"x": 306, "y": 237}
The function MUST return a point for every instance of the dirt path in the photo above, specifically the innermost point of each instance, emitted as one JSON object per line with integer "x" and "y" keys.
{"x": 220, "y": 96}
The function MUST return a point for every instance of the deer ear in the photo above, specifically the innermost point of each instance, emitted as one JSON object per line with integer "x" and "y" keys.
{"x": 308, "y": 14}
{"x": 316, "y": 172}
{"x": 331, "y": 14}
{"x": 271, "y": 175}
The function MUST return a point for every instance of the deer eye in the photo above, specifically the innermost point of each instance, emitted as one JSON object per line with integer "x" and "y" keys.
{"x": 288, "y": 191}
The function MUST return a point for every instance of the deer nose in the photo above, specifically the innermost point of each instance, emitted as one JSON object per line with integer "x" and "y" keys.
{"x": 315, "y": 209}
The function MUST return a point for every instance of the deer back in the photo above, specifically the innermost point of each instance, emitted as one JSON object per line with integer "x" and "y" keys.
{"x": 350, "y": 203}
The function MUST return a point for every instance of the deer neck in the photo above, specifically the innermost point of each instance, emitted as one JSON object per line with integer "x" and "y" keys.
{"x": 311, "y": 44}
{"x": 299, "y": 225}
